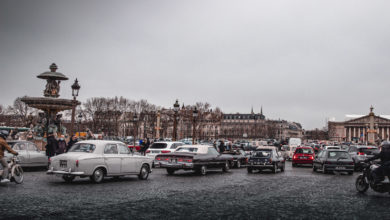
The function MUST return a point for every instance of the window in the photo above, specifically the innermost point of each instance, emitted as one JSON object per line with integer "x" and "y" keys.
{"x": 87, "y": 148}
{"x": 158, "y": 146}
{"x": 212, "y": 151}
{"x": 338, "y": 154}
{"x": 123, "y": 149}
{"x": 20, "y": 146}
{"x": 187, "y": 149}
{"x": 263, "y": 153}
{"x": 304, "y": 151}
{"x": 353, "y": 149}
{"x": 32, "y": 147}
{"x": 111, "y": 149}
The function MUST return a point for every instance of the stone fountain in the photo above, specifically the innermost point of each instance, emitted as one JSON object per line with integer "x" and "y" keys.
{"x": 49, "y": 121}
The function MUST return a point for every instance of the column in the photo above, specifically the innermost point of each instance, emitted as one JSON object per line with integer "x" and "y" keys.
{"x": 349, "y": 134}
{"x": 345, "y": 134}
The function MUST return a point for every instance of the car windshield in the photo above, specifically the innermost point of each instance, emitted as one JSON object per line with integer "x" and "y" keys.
{"x": 87, "y": 148}
{"x": 338, "y": 154}
{"x": 263, "y": 153}
{"x": 304, "y": 151}
{"x": 187, "y": 149}
{"x": 158, "y": 146}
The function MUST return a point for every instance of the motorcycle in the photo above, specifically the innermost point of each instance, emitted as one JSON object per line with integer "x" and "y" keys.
{"x": 366, "y": 180}
{"x": 15, "y": 173}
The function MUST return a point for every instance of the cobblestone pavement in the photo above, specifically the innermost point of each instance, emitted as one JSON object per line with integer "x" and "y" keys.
{"x": 298, "y": 193}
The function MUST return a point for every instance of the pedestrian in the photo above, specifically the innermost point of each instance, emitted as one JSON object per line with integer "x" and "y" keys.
{"x": 145, "y": 146}
{"x": 71, "y": 142}
{"x": 52, "y": 145}
{"x": 221, "y": 147}
{"x": 61, "y": 145}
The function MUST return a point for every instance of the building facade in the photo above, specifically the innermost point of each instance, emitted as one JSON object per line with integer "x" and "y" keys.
{"x": 368, "y": 129}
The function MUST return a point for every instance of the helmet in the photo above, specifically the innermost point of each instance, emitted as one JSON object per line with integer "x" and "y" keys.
{"x": 385, "y": 145}
{"x": 4, "y": 134}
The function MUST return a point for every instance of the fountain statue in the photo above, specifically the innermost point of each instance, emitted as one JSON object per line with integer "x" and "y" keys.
{"x": 49, "y": 121}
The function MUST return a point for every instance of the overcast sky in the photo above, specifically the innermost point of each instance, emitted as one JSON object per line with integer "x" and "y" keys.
{"x": 302, "y": 61}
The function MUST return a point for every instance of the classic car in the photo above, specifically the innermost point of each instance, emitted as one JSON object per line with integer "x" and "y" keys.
{"x": 264, "y": 158}
{"x": 193, "y": 157}
{"x": 29, "y": 154}
{"x": 240, "y": 158}
{"x": 97, "y": 159}
{"x": 333, "y": 160}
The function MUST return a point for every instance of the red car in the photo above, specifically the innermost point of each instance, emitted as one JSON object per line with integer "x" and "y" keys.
{"x": 303, "y": 155}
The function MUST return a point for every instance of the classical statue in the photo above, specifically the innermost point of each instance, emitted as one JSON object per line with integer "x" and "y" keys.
{"x": 52, "y": 88}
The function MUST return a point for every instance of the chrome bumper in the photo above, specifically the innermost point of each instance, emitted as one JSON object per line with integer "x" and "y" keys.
{"x": 61, "y": 172}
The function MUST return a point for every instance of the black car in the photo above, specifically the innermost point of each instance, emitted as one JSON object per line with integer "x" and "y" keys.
{"x": 333, "y": 160}
{"x": 199, "y": 158}
{"x": 264, "y": 158}
{"x": 239, "y": 158}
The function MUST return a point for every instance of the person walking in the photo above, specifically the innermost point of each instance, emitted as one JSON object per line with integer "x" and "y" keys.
{"x": 52, "y": 145}
{"x": 221, "y": 147}
{"x": 61, "y": 145}
{"x": 145, "y": 146}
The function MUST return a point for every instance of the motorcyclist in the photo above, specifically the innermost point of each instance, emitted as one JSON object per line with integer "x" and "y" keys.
{"x": 4, "y": 146}
{"x": 384, "y": 168}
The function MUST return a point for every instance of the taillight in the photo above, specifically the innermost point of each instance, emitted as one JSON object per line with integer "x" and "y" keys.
{"x": 246, "y": 159}
{"x": 158, "y": 158}
{"x": 77, "y": 163}
{"x": 295, "y": 156}
{"x": 188, "y": 160}
{"x": 165, "y": 151}
{"x": 311, "y": 157}
{"x": 360, "y": 153}
{"x": 270, "y": 160}
{"x": 148, "y": 151}
{"x": 167, "y": 158}
{"x": 180, "y": 160}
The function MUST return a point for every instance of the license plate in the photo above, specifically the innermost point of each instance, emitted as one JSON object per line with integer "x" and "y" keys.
{"x": 302, "y": 157}
{"x": 155, "y": 152}
{"x": 63, "y": 163}
{"x": 340, "y": 168}
{"x": 173, "y": 160}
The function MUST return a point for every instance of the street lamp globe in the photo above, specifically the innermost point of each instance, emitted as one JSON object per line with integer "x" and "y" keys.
{"x": 135, "y": 118}
{"x": 75, "y": 88}
{"x": 80, "y": 116}
{"x": 176, "y": 106}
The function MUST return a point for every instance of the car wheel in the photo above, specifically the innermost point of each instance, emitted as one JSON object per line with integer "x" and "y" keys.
{"x": 144, "y": 172}
{"x": 314, "y": 168}
{"x": 249, "y": 169}
{"x": 203, "y": 170}
{"x": 170, "y": 171}
{"x": 294, "y": 165}
{"x": 226, "y": 167}
{"x": 238, "y": 164}
{"x": 68, "y": 178}
{"x": 98, "y": 175}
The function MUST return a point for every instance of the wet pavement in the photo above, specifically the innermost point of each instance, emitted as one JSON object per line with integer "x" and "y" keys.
{"x": 298, "y": 193}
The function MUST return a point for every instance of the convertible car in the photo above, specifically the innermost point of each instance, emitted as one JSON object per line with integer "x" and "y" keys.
{"x": 194, "y": 157}
{"x": 97, "y": 159}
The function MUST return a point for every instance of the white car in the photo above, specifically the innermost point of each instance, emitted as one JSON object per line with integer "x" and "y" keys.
{"x": 163, "y": 147}
{"x": 97, "y": 159}
{"x": 332, "y": 148}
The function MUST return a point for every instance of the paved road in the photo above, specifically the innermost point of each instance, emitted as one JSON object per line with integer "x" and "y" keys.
{"x": 298, "y": 193}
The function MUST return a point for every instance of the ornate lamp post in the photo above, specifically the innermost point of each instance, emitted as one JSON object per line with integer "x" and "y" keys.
{"x": 135, "y": 119}
{"x": 75, "y": 93}
{"x": 80, "y": 116}
{"x": 194, "y": 116}
{"x": 176, "y": 108}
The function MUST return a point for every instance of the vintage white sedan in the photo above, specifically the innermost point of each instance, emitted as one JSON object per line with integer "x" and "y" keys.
{"x": 97, "y": 159}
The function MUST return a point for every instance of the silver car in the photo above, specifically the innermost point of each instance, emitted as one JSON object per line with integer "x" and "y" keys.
{"x": 97, "y": 159}
{"x": 29, "y": 154}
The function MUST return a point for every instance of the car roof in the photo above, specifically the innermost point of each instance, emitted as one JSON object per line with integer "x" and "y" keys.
{"x": 101, "y": 142}
{"x": 202, "y": 148}
{"x": 338, "y": 150}
{"x": 266, "y": 148}
{"x": 364, "y": 146}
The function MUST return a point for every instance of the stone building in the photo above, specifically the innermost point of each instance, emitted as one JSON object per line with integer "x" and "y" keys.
{"x": 369, "y": 129}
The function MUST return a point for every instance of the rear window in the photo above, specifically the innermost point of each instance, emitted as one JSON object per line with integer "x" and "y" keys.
{"x": 369, "y": 150}
{"x": 187, "y": 149}
{"x": 87, "y": 148}
{"x": 263, "y": 153}
{"x": 338, "y": 154}
{"x": 158, "y": 146}
{"x": 304, "y": 151}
